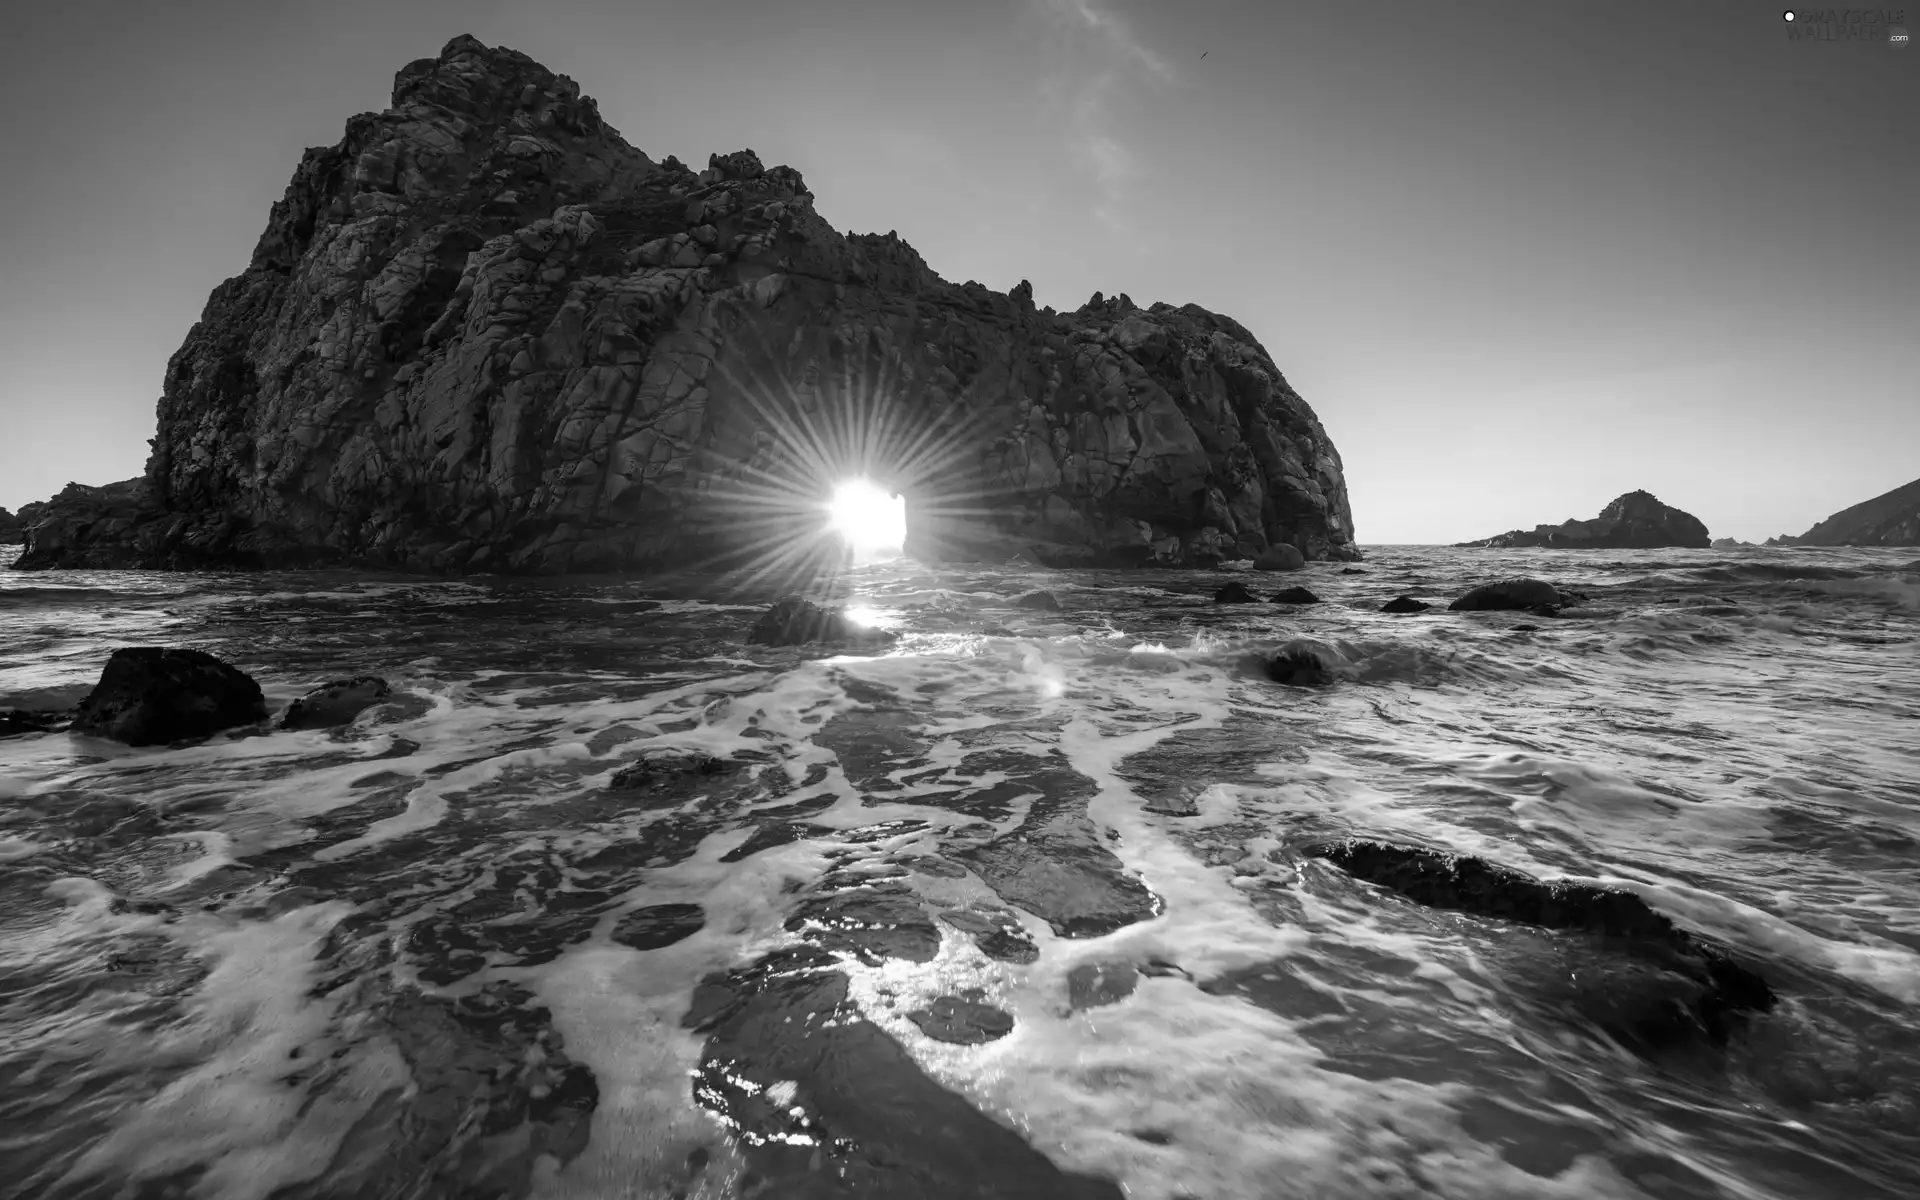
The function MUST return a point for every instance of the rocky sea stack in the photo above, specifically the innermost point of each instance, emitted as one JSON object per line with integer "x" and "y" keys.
{"x": 1635, "y": 521}
{"x": 484, "y": 333}
{"x": 1891, "y": 519}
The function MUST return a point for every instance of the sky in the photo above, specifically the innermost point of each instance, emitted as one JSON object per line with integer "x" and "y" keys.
{"x": 1520, "y": 257}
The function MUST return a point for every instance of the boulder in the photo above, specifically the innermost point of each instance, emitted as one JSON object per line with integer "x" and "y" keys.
{"x": 1531, "y": 595}
{"x": 1404, "y": 604}
{"x": 336, "y": 702}
{"x": 793, "y": 621}
{"x": 1042, "y": 601}
{"x": 1635, "y": 521}
{"x": 151, "y": 695}
{"x": 1235, "y": 593}
{"x": 1306, "y": 664}
{"x": 1295, "y": 595}
{"x": 483, "y": 333}
{"x": 1281, "y": 557}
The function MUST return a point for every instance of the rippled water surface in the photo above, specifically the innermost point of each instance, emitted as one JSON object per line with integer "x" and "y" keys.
{"x": 1015, "y": 907}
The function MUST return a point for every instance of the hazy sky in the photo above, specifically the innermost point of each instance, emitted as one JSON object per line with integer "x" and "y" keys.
{"x": 1520, "y": 257}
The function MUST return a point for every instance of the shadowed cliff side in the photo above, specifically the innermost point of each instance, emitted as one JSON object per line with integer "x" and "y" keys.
{"x": 1889, "y": 519}
{"x": 484, "y": 333}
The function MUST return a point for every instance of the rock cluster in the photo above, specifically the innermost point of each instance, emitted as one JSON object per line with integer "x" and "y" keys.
{"x": 1635, "y": 521}
{"x": 482, "y": 332}
{"x": 1890, "y": 519}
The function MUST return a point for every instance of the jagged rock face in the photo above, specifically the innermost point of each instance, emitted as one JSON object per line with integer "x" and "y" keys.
{"x": 484, "y": 333}
{"x": 1891, "y": 519}
{"x": 12, "y": 530}
{"x": 1635, "y": 521}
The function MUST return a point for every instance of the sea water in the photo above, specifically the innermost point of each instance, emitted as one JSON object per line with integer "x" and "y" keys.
{"x": 382, "y": 960}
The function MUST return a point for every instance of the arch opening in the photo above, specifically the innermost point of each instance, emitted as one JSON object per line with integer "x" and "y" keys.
{"x": 869, "y": 519}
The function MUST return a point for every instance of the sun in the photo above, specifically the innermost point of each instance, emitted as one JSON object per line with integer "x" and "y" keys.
{"x": 872, "y": 522}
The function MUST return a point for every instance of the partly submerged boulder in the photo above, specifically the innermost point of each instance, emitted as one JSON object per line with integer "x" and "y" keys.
{"x": 1295, "y": 595}
{"x": 1280, "y": 557}
{"x": 336, "y": 702}
{"x": 1039, "y": 601}
{"x": 1532, "y": 595}
{"x": 1690, "y": 989}
{"x": 1306, "y": 664}
{"x": 1405, "y": 604}
{"x": 484, "y": 333}
{"x": 1235, "y": 593}
{"x": 793, "y": 621}
{"x": 150, "y": 695}
{"x": 1635, "y": 521}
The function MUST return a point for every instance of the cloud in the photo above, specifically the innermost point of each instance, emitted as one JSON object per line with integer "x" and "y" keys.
{"x": 1097, "y": 60}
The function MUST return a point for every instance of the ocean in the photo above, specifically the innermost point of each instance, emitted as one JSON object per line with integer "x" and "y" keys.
{"x": 604, "y": 901}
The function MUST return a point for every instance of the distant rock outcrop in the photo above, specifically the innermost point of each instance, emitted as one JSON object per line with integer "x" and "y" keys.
{"x": 1635, "y": 521}
{"x": 484, "y": 333}
{"x": 12, "y": 530}
{"x": 1891, "y": 519}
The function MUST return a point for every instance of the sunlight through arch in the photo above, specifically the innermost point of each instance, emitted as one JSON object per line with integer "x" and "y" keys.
{"x": 870, "y": 520}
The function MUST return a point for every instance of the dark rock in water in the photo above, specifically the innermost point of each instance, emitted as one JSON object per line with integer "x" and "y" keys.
{"x": 478, "y": 1065}
{"x": 1295, "y": 595}
{"x": 962, "y": 1022}
{"x": 871, "y": 923}
{"x": 1043, "y": 601}
{"x": 1404, "y": 604}
{"x": 657, "y": 767}
{"x": 1062, "y": 874}
{"x": 1352, "y": 571}
{"x": 16, "y": 721}
{"x": 1699, "y": 991}
{"x": 1889, "y": 519}
{"x": 1635, "y": 521}
{"x": 1091, "y": 985}
{"x": 1526, "y": 629}
{"x": 829, "y": 1104}
{"x": 512, "y": 254}
{"x": 998, "y": 935}
{"x": 659, "y": 925}
{"x": 336, "y": 702}
{"x": 1304, "y": 664}
{"x": 1281, "y": 557}
{"x": 150, "y": 695}
{"x": 1528, "y": 594}
{"x": 795, "y": 622}
{"x": 623, "y": 607}
{"x": 1235, "y": 593}
{"x": 1008, "y": 945}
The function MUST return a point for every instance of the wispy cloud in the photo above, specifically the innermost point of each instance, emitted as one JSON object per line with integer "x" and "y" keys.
{"x": 1097, "y": 59}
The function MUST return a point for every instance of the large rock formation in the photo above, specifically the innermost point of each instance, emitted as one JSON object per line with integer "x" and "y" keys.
{"x": 483, "y": 332}
{"x": 12, "y": 530}
{"x": 1635, "y": 521}
{"x": 1891, "y": 519}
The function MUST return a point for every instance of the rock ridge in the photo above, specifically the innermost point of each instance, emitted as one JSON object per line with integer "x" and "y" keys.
{"x": 484, "y": 333}
{"x": 1889, "y": 519}
{"x": 1634, "y": 521}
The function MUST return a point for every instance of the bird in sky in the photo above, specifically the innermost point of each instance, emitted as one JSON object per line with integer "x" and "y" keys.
{"x": 1203, "y": 54}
